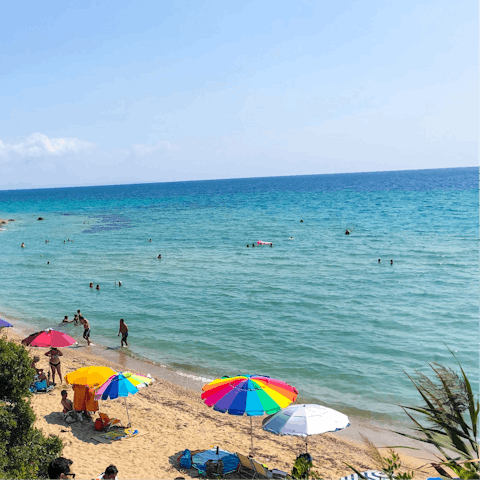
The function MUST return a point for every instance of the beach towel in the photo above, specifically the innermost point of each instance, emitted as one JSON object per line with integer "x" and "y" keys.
{"x": 118, "y": 434}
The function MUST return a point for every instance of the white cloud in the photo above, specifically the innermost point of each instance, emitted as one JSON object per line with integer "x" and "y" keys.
{"x": 39, "y": 145}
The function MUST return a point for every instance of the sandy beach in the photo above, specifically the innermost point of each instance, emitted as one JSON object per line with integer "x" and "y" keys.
{"x": 170, "y": 418}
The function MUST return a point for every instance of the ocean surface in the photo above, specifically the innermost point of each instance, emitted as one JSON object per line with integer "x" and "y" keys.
{"x": 316, "y": 310}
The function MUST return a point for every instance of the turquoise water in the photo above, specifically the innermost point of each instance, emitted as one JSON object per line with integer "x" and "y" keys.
{"x": 317, "y": 311}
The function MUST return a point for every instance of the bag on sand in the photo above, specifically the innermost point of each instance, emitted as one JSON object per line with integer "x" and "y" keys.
{"x": 210, "y": 469}
{"x": 71, "y": 416}
{"x": 186, "y": 460}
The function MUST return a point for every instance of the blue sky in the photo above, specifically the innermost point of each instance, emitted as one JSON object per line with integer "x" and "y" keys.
{"x": 125, "y": 92}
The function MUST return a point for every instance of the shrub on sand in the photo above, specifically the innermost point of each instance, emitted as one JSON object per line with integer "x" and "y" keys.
{"x": 24, "y": 451}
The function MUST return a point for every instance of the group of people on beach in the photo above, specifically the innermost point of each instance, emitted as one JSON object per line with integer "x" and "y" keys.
{"x": 80, "y": 319}
{"x": 60, "y": 468}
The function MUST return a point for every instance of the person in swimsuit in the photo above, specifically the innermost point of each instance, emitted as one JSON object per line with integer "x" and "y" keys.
{"x": 124, "y": 331}
{"x": 55, "y": 355}
{"x": 86, "y": 329}
{"x": 66, "y": 403}
{"x": 66, "y": 320}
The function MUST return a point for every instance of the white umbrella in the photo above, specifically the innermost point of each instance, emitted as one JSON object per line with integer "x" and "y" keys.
{"x": 303, "y": 420}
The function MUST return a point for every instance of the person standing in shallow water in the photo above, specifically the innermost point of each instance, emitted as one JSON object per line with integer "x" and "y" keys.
{"x": 124, "y": 331}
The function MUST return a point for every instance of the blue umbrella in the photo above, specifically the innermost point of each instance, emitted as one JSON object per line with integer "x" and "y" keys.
{"x": 4, "y": 323}
{"x": 118, "y": 385}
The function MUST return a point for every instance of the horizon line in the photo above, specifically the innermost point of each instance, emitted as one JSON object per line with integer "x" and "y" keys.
{"x": 2, "y": 189}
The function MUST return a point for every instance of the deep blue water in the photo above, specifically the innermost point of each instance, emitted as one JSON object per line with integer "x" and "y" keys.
{"x": 317, "y": 310}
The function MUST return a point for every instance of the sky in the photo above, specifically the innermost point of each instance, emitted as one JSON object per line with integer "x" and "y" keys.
{"x": 101, "y": 93}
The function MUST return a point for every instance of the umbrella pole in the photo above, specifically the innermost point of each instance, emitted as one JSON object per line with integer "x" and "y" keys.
{"x": 128, "y": 416}
{"x": 306, "y": 444}
{"x": 251, "y": 435}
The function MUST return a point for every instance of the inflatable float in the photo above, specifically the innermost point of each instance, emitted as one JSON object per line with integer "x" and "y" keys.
{"x": 264, "y": 243}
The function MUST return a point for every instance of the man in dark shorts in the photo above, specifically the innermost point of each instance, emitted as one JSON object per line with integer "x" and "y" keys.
{"x": 124, "y": 331}
{"x": 86, "y": 329}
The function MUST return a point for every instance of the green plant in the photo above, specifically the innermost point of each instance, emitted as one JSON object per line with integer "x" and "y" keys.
{"x": 390, "y": 465}
{"x": 302, "y": 468}
{"x": 451, "y": 415}
{"x": 24, "y": 451}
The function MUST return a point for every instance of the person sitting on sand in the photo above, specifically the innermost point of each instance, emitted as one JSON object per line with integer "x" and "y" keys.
{"x": 86, "y": 329}
{"x": 55, "y": 355}
{"x": 59, "y": 468}
{"x": 67, "y": 404}
{"x": 40, "y": 373}
{"x": 109, "y": 473}
{"x": 124, "y": 331}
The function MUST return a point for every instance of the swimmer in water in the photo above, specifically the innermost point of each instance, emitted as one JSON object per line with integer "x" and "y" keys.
{"x": 378, "y": 260}
{"x": 91, "y": 285}
{"x": 48, "y": 263}
{"x": 22, "y": 245}
{"x": 347, "y": 232}
{"x": 391, "y": 262}
{"x": 159, "y": 256}
{"x": 97, "y": 287}
{"x": 248, "y": 245}
{"x": 119, "y": 284}
{"x": 301, "y": 221}
{"x": 150, "y": 240}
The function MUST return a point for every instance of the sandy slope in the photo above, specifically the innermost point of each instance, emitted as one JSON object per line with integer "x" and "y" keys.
{"x": 171, "y": 418}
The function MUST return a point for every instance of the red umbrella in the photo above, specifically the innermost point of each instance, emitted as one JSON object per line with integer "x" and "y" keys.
{"x": 49, "y": 338}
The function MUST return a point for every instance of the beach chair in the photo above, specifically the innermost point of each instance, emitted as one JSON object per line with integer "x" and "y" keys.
{"x": 369, "y": 474}
{"x": 263, "y": 472}
{"x": 245, "y": 466}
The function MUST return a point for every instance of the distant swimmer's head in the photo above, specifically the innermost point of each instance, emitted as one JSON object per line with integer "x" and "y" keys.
{"x": 48, "y": 263}
{"x": 271, "y": 244}
{"x": 378, "y": 260}
{"x": 301, "y": 221}
{"x": 98, "y": 287}
{"x": 248, "y": 245}
{"x": 64, "y": 241}
{"x": 347, "y": 232}
{"x": 121, "y": 320}
{"x": 159, "y": 256}
{"x": 22, "y": 245}
{"x": 150, "y": 240}
{"x": 391, "y": 262}
{"x": 91, "y": 284}
{"x": 119, "y": 284}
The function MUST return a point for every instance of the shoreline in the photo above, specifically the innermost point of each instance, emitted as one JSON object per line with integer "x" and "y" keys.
{"x": 346, "y": 444}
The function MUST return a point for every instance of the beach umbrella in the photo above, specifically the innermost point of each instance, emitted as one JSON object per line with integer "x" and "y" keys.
{"x": 304, "y": 420}
{"x": 122, "y": 384}
{"x": 90, "y": 376}
{"x": 251, "y": 395}
{"x": 4, "y": 323}
{"x": 49, "y": 338}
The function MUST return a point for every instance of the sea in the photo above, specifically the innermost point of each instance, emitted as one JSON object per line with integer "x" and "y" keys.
{"x": 343, "y": 318}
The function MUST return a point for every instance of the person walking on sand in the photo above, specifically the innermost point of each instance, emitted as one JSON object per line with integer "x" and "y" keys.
{"x": 86, "y": 330}
{"x": 124, "y": 331}
{"x": 55, "y": 355}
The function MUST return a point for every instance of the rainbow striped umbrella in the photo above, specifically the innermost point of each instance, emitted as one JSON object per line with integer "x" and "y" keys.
{"x": 122, "y": 384}
{"x": 250, "y": 395}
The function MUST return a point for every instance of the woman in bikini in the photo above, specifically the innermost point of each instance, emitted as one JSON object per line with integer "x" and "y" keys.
{"x": 55, "y": 355}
